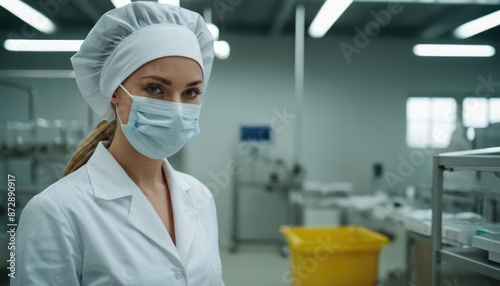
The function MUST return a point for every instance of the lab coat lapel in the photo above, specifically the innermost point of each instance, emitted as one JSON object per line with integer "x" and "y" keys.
{"x": 143, "y": 217}
{"x": 111, "y": 182}
{"x": 187, "y": 201}
{"x": 108, "y": 179}
{"x": 185, "y": 212}
{"x": 185, "y": 219}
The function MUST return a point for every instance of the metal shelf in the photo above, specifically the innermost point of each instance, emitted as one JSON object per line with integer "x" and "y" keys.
{"x": 487, "y": 160}
{"x": 473, "y": 259}
{"x": 53, "y": 155}
{"x": 476, "y": 260}
{"x": 36, "y": 158}
{"x": 487, "y": 194}
{"x": 476, "y": 193}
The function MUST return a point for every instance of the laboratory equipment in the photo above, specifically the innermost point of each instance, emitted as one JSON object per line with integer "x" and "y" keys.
{"x": 262, "y": 182}
{"x": 484, "y": 160}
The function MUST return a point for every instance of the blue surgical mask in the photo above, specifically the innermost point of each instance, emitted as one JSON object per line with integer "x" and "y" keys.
{"x": 158, "y": 128}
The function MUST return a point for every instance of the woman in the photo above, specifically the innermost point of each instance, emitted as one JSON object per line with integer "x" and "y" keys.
{"x": 122, "y": 215}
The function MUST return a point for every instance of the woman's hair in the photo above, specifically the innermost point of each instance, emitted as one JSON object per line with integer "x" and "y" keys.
{"x": 104, "y": 131}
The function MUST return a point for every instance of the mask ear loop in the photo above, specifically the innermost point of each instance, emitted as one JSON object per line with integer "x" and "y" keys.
{"x": 119, "y": 119}
{"x": 117, "y": 113}
{"x": 126, "y": 91}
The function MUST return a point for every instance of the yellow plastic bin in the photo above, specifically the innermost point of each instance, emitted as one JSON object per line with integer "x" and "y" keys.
{"x": 333, "y": 256}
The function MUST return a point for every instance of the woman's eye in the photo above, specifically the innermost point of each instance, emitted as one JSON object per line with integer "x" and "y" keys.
{"x": 154, "y": 89}
{"x": 192, "y": 93}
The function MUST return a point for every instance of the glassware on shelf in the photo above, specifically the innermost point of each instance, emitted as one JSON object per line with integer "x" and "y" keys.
{"x": 3, "y": 140}
{"x": 20, "y": 137}
{"x": 59, "y": 140}
{"x": 44, "y": 134}
{"x": 40, "y": 136}
{"x": 75, "y": 134}
{"x": 10, "y": 136}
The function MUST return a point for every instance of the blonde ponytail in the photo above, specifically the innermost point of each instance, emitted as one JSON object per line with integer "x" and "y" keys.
{"x": 104, "y": 131}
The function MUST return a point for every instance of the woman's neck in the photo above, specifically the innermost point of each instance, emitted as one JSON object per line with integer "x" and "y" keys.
{"x": 145, "y": 172}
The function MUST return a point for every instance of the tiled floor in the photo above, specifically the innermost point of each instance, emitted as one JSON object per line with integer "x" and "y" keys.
{"x": 254, "y": 265}
{"x": 258, "y": 265}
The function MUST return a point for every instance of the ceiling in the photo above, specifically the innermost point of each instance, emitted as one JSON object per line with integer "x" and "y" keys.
{"x": 427, "y": 21}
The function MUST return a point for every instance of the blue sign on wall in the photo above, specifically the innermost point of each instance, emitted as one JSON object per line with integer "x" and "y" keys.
{"x": 255, "y": 133}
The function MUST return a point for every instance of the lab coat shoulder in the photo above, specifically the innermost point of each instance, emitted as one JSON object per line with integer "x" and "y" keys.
{"x": 63, "y": 223}
{"x": 45, "y": 234}
{"x": 70, "y": 188}
{"x": 70, "y": 196}
{"x": 195, "y": 184}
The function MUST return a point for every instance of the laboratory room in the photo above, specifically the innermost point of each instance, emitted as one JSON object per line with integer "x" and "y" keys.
{"x": 250, "y": 143}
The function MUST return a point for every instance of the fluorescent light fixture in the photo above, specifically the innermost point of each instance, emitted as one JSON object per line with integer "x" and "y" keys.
{"x": 222, "y": 49}
{"x": 327, "y": 15}
{"x": 213, "y": 30}
{"x": 427, "y": 50}
{"x": 120, "y": 3}
{"x": 171, "y": 2}
{"x": 29, "y": 15}
{"x": 42, "y": 45}
{"x": 477, "y": 26}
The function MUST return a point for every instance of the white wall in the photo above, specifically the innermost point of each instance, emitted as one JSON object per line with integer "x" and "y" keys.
{"x": 354, "y": 113}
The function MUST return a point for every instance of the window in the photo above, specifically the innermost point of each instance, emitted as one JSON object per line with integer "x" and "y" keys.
{"x": 430, "y": 122}
{"x": 479, "y": 112}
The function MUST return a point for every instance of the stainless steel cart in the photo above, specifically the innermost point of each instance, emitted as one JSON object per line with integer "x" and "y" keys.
{"x": 484, "y": 160}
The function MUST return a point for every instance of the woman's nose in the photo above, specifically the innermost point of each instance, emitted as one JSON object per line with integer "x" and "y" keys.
{"x": 175, "y": 97}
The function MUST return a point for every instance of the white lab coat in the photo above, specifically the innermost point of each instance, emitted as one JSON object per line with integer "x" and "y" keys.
{"x": 95, "y": 227}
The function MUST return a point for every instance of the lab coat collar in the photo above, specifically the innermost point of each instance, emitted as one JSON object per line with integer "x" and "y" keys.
{"x": 109, "y": 180}
{"x": 172, "y": 176}
{"x": 104, "y": 171}
{"x": 182, "y": 190}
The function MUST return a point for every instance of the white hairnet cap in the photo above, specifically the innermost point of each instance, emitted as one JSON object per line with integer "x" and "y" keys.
{"x": 128, "y": 37}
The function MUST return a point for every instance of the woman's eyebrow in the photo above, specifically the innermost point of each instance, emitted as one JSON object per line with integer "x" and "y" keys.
{"x": 197, "y": 82}
{"x": 159, "y": 78}
{"x": 168, "y": 82}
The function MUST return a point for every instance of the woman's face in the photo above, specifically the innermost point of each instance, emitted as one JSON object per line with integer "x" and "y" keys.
{"x": 175, "y": 79}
